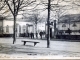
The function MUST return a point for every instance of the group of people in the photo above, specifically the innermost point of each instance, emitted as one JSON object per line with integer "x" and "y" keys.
{"x": 32, "y": 34}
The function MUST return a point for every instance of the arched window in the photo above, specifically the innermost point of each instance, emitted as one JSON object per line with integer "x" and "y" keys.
{"x": 17, "y": 27}
{"x": 7, "y": 28}
{"x": 24, "y": 28}
{"x": 64, "y": 25}
{"x": 74, "y": 25}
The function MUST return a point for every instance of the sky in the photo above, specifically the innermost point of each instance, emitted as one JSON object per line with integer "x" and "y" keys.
{"x": 70, "y": 8}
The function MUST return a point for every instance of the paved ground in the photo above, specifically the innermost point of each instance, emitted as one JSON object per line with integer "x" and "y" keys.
{"x": 57, "y": 48}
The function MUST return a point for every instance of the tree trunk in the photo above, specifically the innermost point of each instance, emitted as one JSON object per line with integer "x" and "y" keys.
{"x": 36, "y": 32}
{"x": 14, "y": 35}
{"x": 48, "y": 25}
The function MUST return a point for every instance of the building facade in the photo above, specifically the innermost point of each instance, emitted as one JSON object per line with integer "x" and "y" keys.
{"x": 69, "y": 26}
{"x": 22, "y": 28}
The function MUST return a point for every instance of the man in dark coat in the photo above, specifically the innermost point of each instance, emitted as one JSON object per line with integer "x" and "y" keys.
{"x": 32, "y": 35}
{"x": 41, "y": 34}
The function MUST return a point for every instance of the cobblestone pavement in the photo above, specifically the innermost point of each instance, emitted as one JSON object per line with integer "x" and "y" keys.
{"x": 57, "y": 48}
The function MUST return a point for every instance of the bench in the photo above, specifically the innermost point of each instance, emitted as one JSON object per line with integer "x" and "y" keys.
{"x": 24, "y": 42}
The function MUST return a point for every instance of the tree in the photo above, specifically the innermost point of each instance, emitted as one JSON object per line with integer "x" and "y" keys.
{"x": 59, "y": 11}
{"x": 48, "y": 22}
{"x": 15, "y": 6}
{"x": 53, "y": 5}
{"x": 35, "y": 18}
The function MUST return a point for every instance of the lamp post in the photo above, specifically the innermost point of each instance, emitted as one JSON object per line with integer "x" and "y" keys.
{"x": 69, "y": 31}
{"x": 64, "y": 25}
{"x": 74, "y": 25}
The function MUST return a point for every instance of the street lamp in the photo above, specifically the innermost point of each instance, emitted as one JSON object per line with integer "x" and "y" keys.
{"x": 64, "y": 25}
{"x": 74, "y": 25}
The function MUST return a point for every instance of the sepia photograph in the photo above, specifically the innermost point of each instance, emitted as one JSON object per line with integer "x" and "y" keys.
{"x": 39, "y": 29}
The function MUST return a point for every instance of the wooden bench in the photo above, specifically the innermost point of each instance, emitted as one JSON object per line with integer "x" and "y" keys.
{"x": 24, "y": 42}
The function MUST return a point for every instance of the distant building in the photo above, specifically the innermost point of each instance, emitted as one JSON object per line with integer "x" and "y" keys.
{"x": 6, "y": 28}
{"x": 71, "y": 22}
{"x": 23, "y": 28}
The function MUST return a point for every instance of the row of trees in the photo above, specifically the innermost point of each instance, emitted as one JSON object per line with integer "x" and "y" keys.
{"x": 15, "y": 6}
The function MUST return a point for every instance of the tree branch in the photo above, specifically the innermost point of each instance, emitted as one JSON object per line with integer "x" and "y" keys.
{"x": 17, "y": 7}
{"x": 9, "y": 6}
{"x": 2, "y": 7}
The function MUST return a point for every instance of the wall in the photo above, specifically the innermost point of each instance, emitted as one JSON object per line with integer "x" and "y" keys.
{"x": 24, "y": 27}
{"x": 77, "y": 27}
{"x": 10, "y": 24}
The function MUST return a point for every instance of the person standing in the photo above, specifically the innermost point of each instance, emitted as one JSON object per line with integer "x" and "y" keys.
{"x": 32, "y": 35}
{"x": 40, "y": 34}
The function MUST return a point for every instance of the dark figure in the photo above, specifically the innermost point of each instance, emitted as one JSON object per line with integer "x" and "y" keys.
{"x": 36, "y": 35}
{"x": 32, "y": 35}
{"x": 41, "y": 34}
{"x": 27, "y": 34}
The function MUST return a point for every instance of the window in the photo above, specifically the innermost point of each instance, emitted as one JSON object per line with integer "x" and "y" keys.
{"x": 7, "y": 28}
{"x": 64, "y": 25}
{"x": 19, "y": 28}
{"x": 24, "y": 28}
{"x": 74, "y": 25}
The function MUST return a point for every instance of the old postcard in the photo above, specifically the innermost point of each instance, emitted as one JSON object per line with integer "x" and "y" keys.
{"x": 39, "y": 29}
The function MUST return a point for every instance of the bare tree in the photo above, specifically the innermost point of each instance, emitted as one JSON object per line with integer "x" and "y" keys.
{"x": 35, "y": 18}
{"x": 52, "y": 4}
{"x": 48, "y": 23}
{"x": 15, "y": 6}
